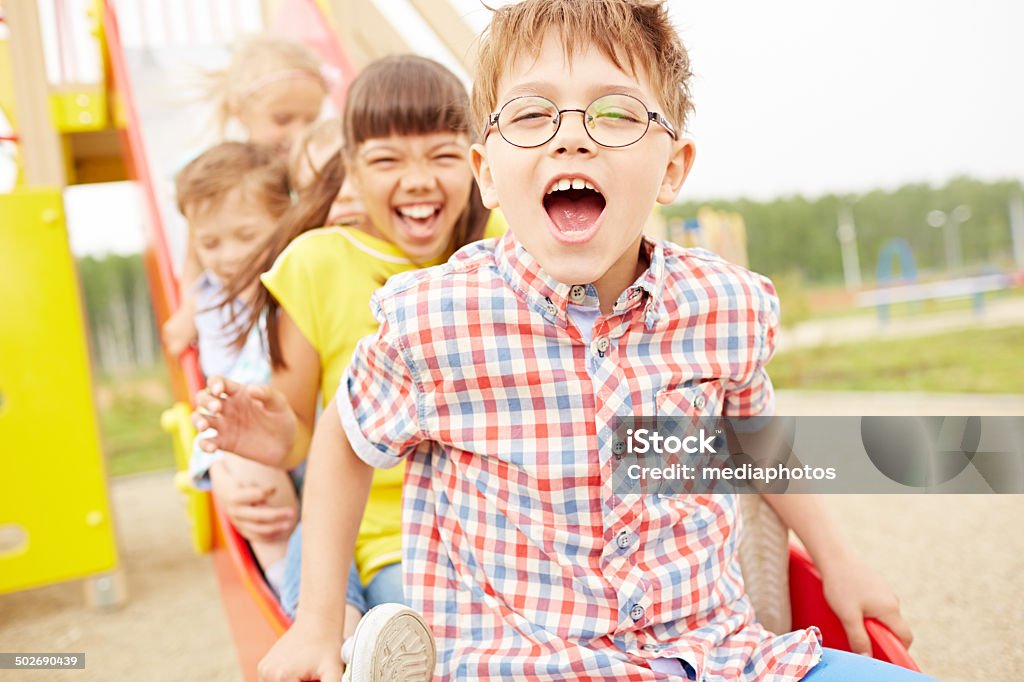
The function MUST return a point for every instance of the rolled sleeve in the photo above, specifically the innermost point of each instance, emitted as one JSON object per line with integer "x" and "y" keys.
{"x": 378, "y": 400}
{"x": 754, "y": 395}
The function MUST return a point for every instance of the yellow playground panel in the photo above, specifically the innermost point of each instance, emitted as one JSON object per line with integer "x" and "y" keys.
{"x": 55, "y": 518}
{"x": 177, "y": 422}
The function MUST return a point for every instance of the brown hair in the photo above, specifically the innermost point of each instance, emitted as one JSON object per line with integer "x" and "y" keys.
{"x": 635, "y": 32}
{"x": 411, "y": 95}
{"x": 399, "y": 95}
{"x": 211, "y": 176}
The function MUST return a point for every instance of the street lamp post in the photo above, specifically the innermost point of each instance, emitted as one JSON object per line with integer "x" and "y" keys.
{"x": 951, "y": 223}
{"x": 847, "y": 234}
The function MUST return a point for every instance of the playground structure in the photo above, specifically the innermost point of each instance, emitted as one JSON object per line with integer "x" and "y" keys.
{"x": 102, "y": 122}
{"x": 900, "y": 285}
{"x": 722, "y": 232}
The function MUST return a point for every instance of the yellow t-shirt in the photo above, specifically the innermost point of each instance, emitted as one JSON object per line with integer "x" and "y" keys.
{"x": 324, "y": 280}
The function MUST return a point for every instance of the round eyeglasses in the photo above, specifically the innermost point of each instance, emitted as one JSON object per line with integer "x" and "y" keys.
{"x": 610, "y": 121}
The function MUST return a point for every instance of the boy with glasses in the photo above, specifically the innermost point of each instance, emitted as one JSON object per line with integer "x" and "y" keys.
{"x": 500, "y": 375}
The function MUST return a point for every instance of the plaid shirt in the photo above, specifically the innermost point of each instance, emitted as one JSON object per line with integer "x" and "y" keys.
{"x": 517, "y": 550}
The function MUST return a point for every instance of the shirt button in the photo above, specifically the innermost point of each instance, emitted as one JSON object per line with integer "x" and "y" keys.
{"x": 637, "y": 612}
{"x": 577, "y": 293}
{"x": 602, "y": 344}
{"x": 551, "y": 309}
{"x": 619, "y": 447}
{"x": 623, "y": 539}
{"x": 700, "y": 402}
{"x": 651, "y": 647}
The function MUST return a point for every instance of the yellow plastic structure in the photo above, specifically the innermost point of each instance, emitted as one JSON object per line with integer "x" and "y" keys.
{"x": 176, "y": 422}
{"x": 55, "y": 521}
{"x": 79, "y": 107}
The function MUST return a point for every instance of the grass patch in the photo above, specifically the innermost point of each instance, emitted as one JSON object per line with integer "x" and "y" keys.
{"x": 130, "y": 407}
{"x": 970, "y": 361}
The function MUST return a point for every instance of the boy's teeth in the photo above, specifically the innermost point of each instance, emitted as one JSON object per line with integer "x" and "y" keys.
{"x": 570, "y": 183}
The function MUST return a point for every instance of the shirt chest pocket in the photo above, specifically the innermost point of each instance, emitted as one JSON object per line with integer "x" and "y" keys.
{"x": 704, "y": 399}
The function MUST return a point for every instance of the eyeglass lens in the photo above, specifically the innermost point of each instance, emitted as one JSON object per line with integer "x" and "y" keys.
{"x": 612, "y": 120}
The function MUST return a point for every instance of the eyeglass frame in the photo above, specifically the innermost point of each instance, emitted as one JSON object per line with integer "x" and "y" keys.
{"x": 492, "y": 120}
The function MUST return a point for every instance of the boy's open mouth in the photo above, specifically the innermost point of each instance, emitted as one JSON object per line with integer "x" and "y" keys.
{"x": 419, "y": 220}
{"x": 574, "y": 206}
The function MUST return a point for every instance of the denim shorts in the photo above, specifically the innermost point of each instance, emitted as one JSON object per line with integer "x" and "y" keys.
{"x": 384, "y": 588}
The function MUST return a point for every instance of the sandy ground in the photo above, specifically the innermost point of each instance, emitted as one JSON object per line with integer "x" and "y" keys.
{"x": 172, "y": 626}
{"x": 956, "y": 561}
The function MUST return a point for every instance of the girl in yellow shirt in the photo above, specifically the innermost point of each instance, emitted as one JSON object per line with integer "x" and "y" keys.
{"x": 407, "y": 133}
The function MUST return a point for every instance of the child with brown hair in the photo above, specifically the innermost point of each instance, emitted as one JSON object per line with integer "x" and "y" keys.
{"x": 233, "y": 196}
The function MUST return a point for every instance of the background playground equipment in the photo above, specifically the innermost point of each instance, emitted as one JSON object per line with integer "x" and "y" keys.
{"x": 87, "y": 131}
{"x": 721, "y": 232}
{"x": 55, "y": 521}
{"x": 900, "y": 285}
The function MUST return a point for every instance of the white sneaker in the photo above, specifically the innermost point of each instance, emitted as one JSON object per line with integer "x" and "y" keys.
{"x": 392, "y": 643}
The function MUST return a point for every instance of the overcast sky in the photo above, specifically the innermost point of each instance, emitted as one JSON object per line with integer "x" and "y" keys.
{"x": 813, "y": 96}
{"x": 816, "y": 96}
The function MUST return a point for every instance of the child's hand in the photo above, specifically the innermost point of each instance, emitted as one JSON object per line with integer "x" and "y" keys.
{"x": 856, "y": 592}
{"x": 255, "y": 422}
{"x": 246, "y": 505}
{"x": 304, "y": 652}
{"x": 179, "y": 332}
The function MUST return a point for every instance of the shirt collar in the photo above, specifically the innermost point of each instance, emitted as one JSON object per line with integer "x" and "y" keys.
{"x": 206, "y": 281}
{"x": 385, "y": 249}
{"x": 523, "y": 273}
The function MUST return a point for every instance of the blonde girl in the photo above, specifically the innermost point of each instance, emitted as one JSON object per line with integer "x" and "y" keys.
{"x": 272, "y": 89}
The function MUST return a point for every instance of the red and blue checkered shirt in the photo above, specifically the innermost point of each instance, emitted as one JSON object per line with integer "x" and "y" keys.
{"x": 517, "y": 549}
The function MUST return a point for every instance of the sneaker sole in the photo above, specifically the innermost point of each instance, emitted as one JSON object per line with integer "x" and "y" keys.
{"x": 392, "y": 644}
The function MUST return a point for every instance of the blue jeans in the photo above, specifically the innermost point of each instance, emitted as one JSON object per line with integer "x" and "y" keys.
{"x": 840, "y": 666}
{"x": 835, "y": 666}
{"x": 386, "y": 586}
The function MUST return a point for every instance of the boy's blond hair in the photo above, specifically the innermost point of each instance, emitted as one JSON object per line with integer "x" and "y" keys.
{"x": 631, "y": 33}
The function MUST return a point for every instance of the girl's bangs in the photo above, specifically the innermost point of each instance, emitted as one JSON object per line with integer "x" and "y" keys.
{"x": 405, "y": 96}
